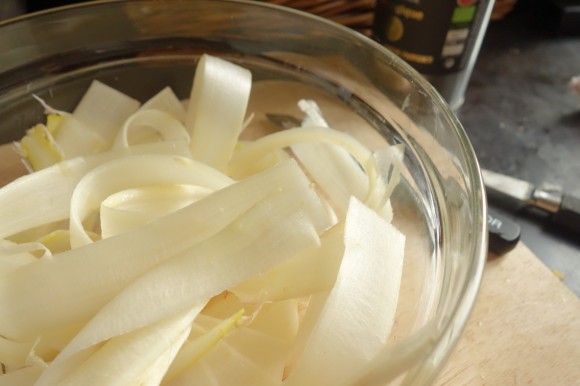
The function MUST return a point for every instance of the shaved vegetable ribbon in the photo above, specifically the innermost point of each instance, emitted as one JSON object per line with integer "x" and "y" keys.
{"x": 166, "y": 250}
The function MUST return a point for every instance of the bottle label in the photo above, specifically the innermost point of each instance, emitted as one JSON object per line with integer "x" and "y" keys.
{"x": 435, "y": 37}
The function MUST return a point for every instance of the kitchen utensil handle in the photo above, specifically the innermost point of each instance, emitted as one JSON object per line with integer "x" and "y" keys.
{"x": 569, "y": 214}
{"x": 504, "y": 233}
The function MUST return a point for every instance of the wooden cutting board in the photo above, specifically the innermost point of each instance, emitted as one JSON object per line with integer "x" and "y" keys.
{"x": 524, "y": 329}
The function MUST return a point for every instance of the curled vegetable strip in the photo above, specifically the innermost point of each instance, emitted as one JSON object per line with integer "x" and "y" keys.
{"x": 261, "y": 147}
{"x": 182, "y": 281}
{"x": 216, "y": 109}
{"x": 216, "y": 260}
{"x": 277, "y": 228}
{"x": 279, "y": 320}
{"x": 14, "y": 353}
{"x": 102, "y": 109}
{"x": 317, "y": 269}
{"x": 339, "y": 176}
{"x": 166, "y": 101}
{"x": 333, "y": 169}
{"x": 335, "y": 172}
{"x": 124, "y": 359}
{"x": 11, "y": 249}
{"x": 225, "y": 365}
{"x": 88, "y": 269}
{"x": 254, "y": 152}
{"x": 22, "y": 208}
{"x": 93, "y": 124}
{"x": 358, "y": 315}
{"x": 265, "y": 355}
{"x": 131, "y": 208}
{"x": 10, "y": 261}
{"x": 25, "y": 376}
{"x": 124, "y": 173}
{"x": 75, "y": 139}
{"x": 160, "y": 122}
{"x": 195, "y": 348}
{"x": 56, "y": 241}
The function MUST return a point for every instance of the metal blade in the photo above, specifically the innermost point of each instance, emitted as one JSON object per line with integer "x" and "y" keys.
{"x": 513, "y": 188}
{"x": 284, "y": 121}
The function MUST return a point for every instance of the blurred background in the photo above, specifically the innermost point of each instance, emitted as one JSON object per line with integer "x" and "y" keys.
{"x": 520, "y": 114}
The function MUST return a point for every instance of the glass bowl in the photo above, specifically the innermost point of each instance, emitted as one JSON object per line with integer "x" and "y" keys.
{"x": 141, "y": 46}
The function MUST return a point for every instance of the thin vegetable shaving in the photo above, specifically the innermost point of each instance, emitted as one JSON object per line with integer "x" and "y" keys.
{"x": 167, "y": 249}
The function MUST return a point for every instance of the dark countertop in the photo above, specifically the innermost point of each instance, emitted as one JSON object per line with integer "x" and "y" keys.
{"x": 523, "y": 121}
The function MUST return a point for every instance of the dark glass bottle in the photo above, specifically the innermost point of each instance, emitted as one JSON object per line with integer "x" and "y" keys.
{"x": 439, "y": 38}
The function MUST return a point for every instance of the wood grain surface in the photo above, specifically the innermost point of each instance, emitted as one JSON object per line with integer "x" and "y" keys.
{"x": 524, "y": 329}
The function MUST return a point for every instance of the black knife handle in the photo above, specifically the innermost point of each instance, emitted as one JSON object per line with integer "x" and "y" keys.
{"x": 569, "y": 213}
{"x": 504, "y": 233}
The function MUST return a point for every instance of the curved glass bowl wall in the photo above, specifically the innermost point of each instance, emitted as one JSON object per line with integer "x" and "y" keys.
{"x": 139, "y": 47}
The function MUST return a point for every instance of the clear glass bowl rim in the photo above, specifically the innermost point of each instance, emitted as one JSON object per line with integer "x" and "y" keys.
{"x": 451, "y": 325}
